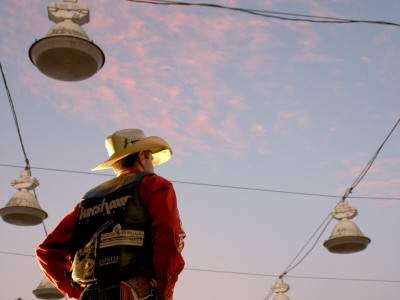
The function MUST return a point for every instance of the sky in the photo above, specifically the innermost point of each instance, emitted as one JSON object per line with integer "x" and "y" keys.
{"x": 270, "y": 122}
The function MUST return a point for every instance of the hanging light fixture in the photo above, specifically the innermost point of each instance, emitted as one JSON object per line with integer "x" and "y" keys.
{"x": 66, "y": 53}
{"x": 346, "y": 237}
{"x": 46, "y": 290}
{"x": 23, "y": 207}
{"x": 280, "y": 288}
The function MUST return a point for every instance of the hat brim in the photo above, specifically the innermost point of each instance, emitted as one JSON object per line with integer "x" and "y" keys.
{"x": 159, "y": 147}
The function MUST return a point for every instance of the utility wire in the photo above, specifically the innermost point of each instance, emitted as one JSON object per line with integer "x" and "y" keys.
{"x": 356, "y": 182}
{"x": 27, "y": 167}
{"x": 369, "y": 164}
{"x": 15, "y": 118}
{"x": 212, "y": 185}
{"x": 290, "y": 267}
{"x": 299, "y": 277}
{"x": 269, "y": 14}
{"x": 18, "y": 254}
{"x": 250, "y": 274}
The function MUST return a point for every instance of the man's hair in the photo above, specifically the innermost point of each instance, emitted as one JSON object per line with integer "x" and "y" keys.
{"x": 125, "y": 163}
{"x": 128, "y": 161}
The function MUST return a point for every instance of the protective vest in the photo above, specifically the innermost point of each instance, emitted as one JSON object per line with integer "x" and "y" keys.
{"x": 112, "y": 237}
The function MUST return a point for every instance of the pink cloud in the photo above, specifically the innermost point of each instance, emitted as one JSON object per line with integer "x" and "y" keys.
{"x": 379, "y": 189}
{"x": 257, "y": 128}
{"x": 128, "y": 84}
{"x": 231, "y": 3}
{"x": 225, "y": 136}
{"x": 277, "y": 127}
{"x": 199, "y": 60}
{"x": 303, "y": 121}
{"x": 379, "y": 184}
{"x": 259, "y": 36}
{"x": 206, "y": 98}
{"x": 251, "y": 65}
{"x": 300, "y": 118}
{"x": 309, "y": 56}
{"x": 366, "y": 59}
{"x": 107, "y": 96}
{"x": 63, "y": 106}
{"x": 218, "y": 30}
{"x": 238, "y": 104}
{"x": 322, "y": 10}
{"x": 138, "y": 86}
{"x": 78, "y": 101}
{"x": 385, "y": 36}
{"x": 309, "y": 41}
{"x": 345, "y": 162}
{"x": 175, "y": 24}
{"x": 383, "y": 204}
{"x": 258, "y": 139}
{"x": 101, "y": 22}
{"x": 201, "y": 126}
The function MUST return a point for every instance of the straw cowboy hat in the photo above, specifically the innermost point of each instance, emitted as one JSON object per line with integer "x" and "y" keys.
{"x": 128, "y": 141}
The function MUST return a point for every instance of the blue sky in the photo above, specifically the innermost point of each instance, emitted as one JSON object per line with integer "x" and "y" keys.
{"x": 243, "y": 101}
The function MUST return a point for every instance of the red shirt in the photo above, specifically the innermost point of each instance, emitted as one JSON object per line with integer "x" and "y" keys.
{"x": 159, "y": 197}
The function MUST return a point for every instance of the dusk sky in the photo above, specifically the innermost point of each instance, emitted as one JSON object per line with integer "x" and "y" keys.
{"x": 270, "y": 122}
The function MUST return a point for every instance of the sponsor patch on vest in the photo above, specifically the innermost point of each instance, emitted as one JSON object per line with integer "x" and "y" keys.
{"x": 108, "y": 261}
{"x": 122, "y": 237}
{"x": 103, "y": 207}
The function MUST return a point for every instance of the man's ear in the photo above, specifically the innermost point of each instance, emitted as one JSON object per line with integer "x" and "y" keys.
{"x": 140, "y": 158}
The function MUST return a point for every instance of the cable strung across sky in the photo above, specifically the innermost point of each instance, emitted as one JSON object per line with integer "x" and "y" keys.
{"x": 270, "y": 14}
{"x": 250, "y": 274}
{"x": 212, "y": 185}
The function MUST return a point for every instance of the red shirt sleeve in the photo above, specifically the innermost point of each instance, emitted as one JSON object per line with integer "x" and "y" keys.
{"x": 53, "y": 255}
{"x": 159, "y": 196}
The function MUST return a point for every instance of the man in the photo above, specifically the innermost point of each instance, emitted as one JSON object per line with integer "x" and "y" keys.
{"x": 124, "y": 239}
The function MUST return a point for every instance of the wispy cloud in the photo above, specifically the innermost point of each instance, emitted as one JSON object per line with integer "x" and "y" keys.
{"x": 366, "y": 59}
{"x": 316, "y": 57}
{"x": 285, "y": 118}
{"x": 257, "y": 128}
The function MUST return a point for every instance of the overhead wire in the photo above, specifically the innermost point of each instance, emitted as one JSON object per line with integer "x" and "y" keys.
{"x": 213, "y": 185}
{"x": 263, "y": 13}
{"x": 249, "y": 273}
{"x": 291, "y": 265}
{"x": 27, "y": 167}
{"x": 369, "y": 164}
{"x": 269, "y": 14}
{"x": 15, "y": 118}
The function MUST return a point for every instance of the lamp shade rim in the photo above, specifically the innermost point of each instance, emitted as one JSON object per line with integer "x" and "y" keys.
{"x": 347, "y": 244}
{"x": 66, "y": 57}
{"x": 64, "y": 36}
{"x": 23, "y": 215}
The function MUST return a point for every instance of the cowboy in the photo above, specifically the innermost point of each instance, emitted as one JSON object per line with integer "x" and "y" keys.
{"x": 124, "y": 239}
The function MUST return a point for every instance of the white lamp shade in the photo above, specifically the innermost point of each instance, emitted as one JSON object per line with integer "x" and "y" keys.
{"x": 23, "y": 209}
{"x": 66, "y": 53}
{"x": 46, "y": 290}
{"x": 346, "y": 238}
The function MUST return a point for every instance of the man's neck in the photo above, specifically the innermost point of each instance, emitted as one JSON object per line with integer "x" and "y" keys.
{"x": 127, "y": 171}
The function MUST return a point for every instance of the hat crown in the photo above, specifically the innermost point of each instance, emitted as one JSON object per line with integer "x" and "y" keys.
{"x": 121, "y": 139}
